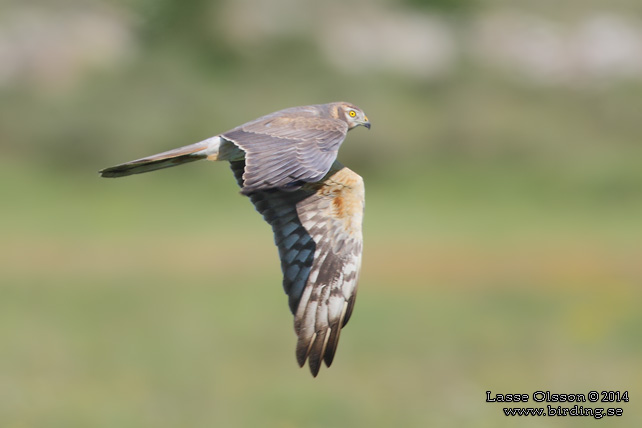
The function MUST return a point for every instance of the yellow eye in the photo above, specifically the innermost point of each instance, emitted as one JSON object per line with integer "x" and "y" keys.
{"x": 352, "y": 113}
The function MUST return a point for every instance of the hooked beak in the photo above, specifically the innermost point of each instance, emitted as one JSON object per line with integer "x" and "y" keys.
{"x": 366, "y": 122}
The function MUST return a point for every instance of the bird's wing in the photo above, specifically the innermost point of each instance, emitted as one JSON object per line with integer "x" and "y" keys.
{"x": 317, "y": 230}
{"x": 287, "y": 149}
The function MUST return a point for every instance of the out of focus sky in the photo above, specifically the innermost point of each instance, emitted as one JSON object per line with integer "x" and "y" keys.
{"x": 503, "y": 231}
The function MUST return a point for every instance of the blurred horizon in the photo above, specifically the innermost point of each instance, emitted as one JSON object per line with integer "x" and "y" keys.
{"x": 503, "y": 238}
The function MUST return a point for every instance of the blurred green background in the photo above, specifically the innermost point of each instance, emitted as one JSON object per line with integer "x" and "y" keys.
{"x": 503, "y": 227}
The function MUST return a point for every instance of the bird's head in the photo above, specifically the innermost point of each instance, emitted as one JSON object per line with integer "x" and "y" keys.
{"x": 353, "y": 115}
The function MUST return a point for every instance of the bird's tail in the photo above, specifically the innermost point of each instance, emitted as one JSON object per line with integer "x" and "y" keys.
{"x": 202, "y": 150}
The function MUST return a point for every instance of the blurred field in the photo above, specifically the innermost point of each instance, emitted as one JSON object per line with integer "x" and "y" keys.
{"x": 503, "y": 243}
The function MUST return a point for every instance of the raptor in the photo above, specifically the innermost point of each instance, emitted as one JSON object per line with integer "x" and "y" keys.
{"x": 285, "y": 162}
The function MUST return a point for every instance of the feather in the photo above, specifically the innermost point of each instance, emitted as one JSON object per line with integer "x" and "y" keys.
{"x": 320, "y": 252}
{"x": 286, "y": 163}
{"x": 167, "y": 159}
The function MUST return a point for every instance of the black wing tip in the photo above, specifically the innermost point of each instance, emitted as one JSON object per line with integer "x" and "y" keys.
{"x": 304, "y": 352}
{"x": 321, "y": 348}
{"x": 314, "y": 364}
{"x": 314, "y": 369}
{"x": 331, "y": 348}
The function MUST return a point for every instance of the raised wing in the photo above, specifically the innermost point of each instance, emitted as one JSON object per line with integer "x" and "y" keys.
{"x": 288, "y": 148}
{"x": 317, "y": 230}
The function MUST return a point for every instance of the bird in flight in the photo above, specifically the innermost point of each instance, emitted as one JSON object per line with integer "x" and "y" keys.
{"x": 285, "y": 162}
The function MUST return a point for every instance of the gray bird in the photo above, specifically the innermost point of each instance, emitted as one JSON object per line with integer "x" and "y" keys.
{"x": 286, "y": 163}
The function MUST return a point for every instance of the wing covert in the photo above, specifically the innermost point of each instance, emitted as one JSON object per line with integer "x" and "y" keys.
{"x": 286, "y": 149}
